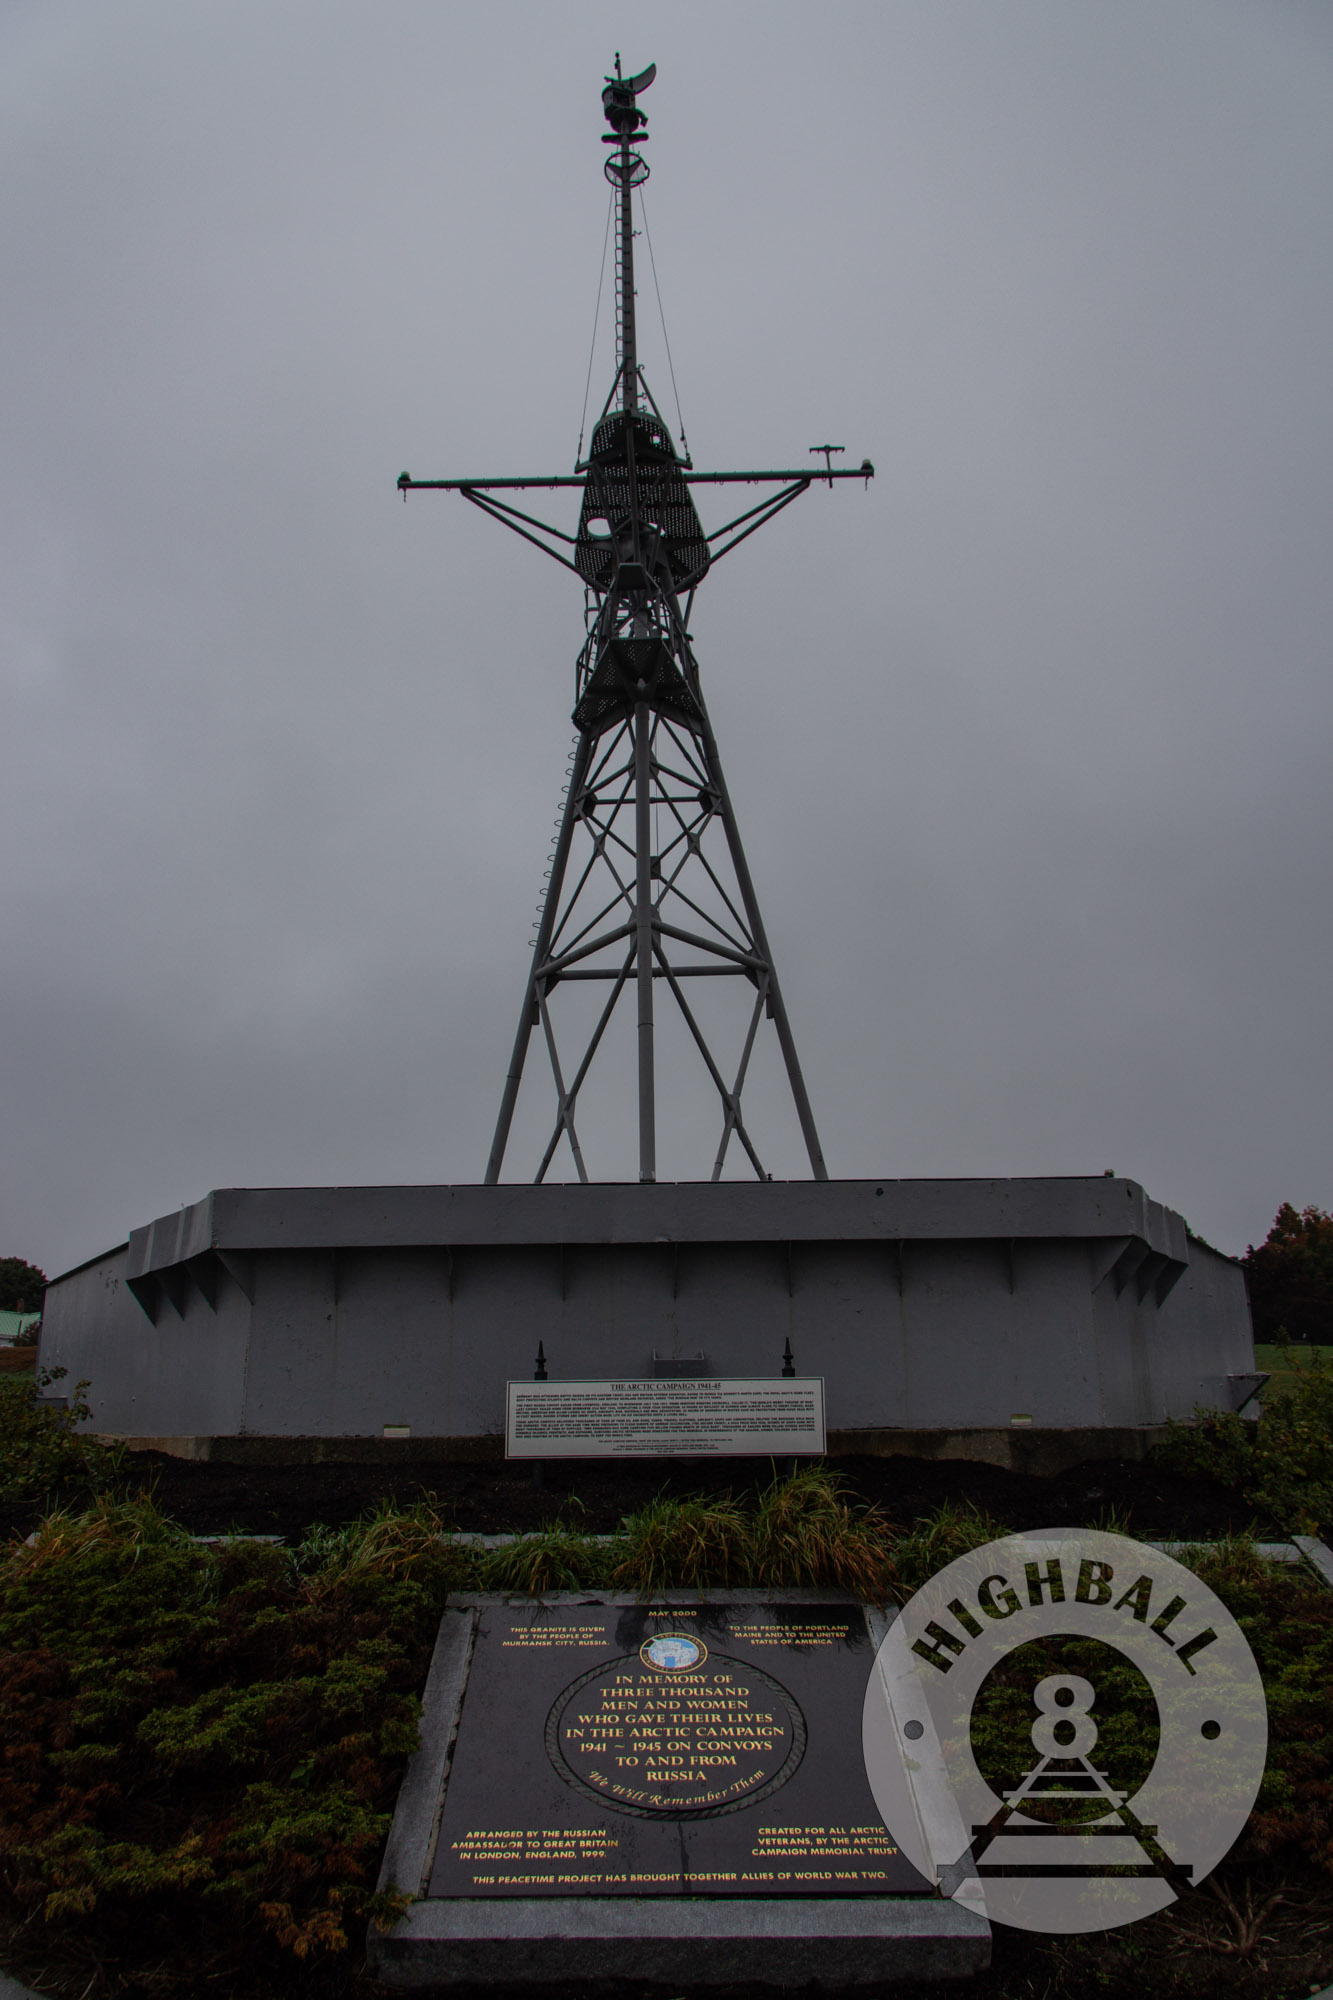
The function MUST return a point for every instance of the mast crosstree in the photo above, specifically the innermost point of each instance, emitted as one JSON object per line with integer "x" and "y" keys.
{"x": 649, "y": 889}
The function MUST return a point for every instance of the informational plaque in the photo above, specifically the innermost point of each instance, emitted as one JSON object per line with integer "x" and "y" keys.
{"x": 736, "y": 1417}
{"x": 633, "y": 1750}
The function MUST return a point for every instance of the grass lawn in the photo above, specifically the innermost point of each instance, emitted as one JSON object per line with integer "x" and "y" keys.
{"x": 1273, "y": 1361}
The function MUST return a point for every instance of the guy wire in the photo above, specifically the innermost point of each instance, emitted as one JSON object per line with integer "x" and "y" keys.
{"x": 597, "y": 313}
{"x": 648, "y": 238}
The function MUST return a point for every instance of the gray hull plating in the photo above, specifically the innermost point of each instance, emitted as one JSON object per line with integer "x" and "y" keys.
{"x": 328, "y": 1312}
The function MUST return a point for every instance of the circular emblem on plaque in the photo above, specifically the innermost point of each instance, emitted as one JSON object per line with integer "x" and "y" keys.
{"x": 1083, "y": 1717}
{"x": 673, "y": 1652}
{"x": 674, "y": 1732}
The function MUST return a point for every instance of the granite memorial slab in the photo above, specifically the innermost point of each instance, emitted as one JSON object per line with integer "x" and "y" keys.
{"x": 683, "y": 1777}
{"x": 647, "y": 1748}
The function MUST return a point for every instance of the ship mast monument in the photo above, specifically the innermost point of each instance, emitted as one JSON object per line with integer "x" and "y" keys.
{"x": 649, "y": 888}
{"x": 1034, "y": 1322}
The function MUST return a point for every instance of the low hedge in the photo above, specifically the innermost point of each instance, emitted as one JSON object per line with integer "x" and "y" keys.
{"x": 1282, "y": 1462}
{"x": 200, "y": 1743}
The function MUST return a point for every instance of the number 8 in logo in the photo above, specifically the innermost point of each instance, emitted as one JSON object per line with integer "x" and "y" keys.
{"x": 1064, "y": 1728}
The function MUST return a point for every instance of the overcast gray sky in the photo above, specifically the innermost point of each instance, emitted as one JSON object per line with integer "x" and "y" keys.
{"x": 1029, "y": 743}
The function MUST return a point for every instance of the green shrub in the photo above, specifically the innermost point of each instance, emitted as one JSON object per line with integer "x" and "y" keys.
{"x": 200, "y": 1743}
{"x": 1218, "y": 1444}
{"x": 200, "y": 1746}
{"x": 391, "y": 1551}
{"x": 1293, "y": 1447}
{"x": 800, "y": 1532}
{"x": 556, "y": 1557}
{"x": 805, "y": 1532}
{"x": 43, "y": 1455}
{"x": 1286, "y": 1615}
{"x": 937, "y": 1539}
{"x": 1283, "y": 1463}
{"x": 695, "y": 1543}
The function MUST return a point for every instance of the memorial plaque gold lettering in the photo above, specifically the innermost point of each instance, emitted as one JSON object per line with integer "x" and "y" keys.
{"x": 668, "y": 1730}
{"x": 639, "y": 1749}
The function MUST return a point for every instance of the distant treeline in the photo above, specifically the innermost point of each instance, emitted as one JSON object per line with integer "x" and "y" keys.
{"x": 1291, "y": 1278}
{"x": 21, "y": 1286}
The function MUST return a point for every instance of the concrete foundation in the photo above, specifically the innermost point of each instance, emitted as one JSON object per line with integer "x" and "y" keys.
{"x": 933, "y": 1309}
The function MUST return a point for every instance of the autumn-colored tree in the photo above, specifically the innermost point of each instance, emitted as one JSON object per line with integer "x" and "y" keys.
{"x": 1291, "y": 1277}
{"x": 21, "y": 1286}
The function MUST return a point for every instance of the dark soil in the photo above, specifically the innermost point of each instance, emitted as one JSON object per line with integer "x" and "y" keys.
{"x": 495, "y": 1498}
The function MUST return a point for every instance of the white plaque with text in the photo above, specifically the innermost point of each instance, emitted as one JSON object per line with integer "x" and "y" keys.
{"x": 738, "y": 1417}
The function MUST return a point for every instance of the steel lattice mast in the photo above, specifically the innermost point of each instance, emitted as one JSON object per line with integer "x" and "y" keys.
{"x": 639, "y": 892}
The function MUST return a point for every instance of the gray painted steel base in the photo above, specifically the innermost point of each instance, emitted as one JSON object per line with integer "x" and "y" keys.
{"x": 940, "y": 1307}
{"x": 783, "y": 1942}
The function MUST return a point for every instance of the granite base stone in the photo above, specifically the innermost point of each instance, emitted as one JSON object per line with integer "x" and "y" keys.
{"x": 783, "y": 1943}
{"x": 763, "y": 1939}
